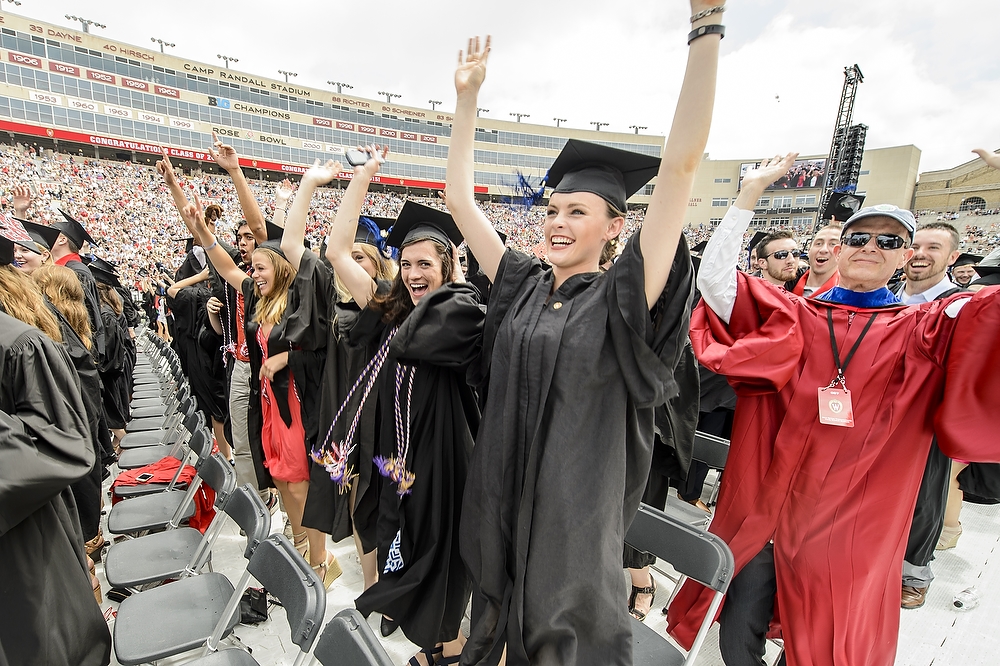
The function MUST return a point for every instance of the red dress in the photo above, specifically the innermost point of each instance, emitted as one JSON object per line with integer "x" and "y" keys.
{"x": 284, "y": 446}
{"x": 838, "y": 501}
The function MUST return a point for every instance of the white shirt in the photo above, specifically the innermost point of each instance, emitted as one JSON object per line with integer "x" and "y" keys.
{"x": 927, "y": 295}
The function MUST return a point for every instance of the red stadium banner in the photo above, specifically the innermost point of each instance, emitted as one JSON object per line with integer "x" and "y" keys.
{"x": 409, "y": 136}
{"x": 367, "y": 129}
{"x": 346, "y": 126}
{"x": 135, "y": 85}
{"x": 167, "y": 91}
{"x": 387, "y": 132}
{"x": 155, "y": 149}
{"x": 21, "y": 59}
{"x": 428, "y": 138}
{"x": 323, "y": 122}
{"x": 61, "y": 68}
{"x": 103, "y": 77}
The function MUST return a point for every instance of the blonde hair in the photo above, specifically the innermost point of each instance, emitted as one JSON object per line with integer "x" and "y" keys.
{"x": 61, "y": 286}
{"x": 384, "y": 270}
{"x": 271, "y": 308}
{"x": 21, "y": 298}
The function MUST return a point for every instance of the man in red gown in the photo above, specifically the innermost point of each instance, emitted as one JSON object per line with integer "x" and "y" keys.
{"x": 825, "y": 465}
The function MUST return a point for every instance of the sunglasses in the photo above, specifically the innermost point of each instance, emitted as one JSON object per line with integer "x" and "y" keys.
{"x": 882, "y": 241}
{"x": 781, "y": 255}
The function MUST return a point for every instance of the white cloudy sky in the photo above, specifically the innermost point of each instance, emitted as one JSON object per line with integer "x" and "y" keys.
{"x": 932, "y": 72}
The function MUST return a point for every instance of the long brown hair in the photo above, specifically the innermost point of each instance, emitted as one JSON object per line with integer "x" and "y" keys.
{"x": 21, "y": 298}
{"x": 63, "y": 289}
{"x": 110, "y": 297}
{"x": 397, "y": 304}
{"x": 271, "y": 308}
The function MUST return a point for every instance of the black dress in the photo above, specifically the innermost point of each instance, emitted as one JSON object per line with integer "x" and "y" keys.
{"x": 423, "y": 584}
{"x": 48, "y": 615}
{"x": 115, "y": 370}
{"x": 563, "y": 452}
{"x": 201, "y": 345}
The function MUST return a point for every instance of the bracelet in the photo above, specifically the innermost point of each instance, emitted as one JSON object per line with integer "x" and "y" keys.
{"x": 712, "y": 29}
{"x": 708, "y": 12}
{"x": 214, "y": 243}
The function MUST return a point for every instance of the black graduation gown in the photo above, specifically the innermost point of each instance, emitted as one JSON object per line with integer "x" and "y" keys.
{"x": 93, "y": 303}
{"x": 428, "y": 587}
{"x": 48, "y": 615}
{"x": 114, "y": 370}
{"x": 206, "y": 371}
{"x": 563, "y": 452}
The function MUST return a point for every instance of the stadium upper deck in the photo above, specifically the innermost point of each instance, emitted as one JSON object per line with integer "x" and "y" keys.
{"x": 76, "y": 87}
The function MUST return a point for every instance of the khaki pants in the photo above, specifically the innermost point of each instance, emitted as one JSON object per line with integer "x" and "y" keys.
{"x": 239, "y": 401}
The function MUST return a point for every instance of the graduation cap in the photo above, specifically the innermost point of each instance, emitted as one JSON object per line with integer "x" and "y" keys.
{"x": 700, "y": 247}
{"x": 417, "y": 222}
{"x": 843, "y": 205}
{"x": 274, "y": 232}
{"x": 73, "y": 230}
{"x": 43, "y": 235}
{"x": 12, "y": 232}
{"x": 966, "y": 259}
{"x": 757, "y": 238}
{"x": 188, "y": 243}
{"x": 610, "y": 173}
{"x": 988, "y": 275}
{"x": 101, "y": 264}
{"x": 105, "y": 277}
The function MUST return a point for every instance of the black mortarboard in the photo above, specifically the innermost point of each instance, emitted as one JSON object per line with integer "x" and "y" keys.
{"x": 373, "y": 230}
{"x": 73, "y": 230}
{"x": 6, "y": 251}
{"x": 417, "y": 222}
{"x": 757, "y": 237}
{"x": 188, "y": 243}
{"x": 274, "y": 232}
{"x": 43, "y": 235}
{"x": 700, "y": 247}
{"x": 274, "y": 245}
{"x": 966, "y": 259}
{"x": 103, "y": 265}
{"x": 988, "y": 275}
{"x": 105, "y": 277}
{"x": 610, "y": 173}
{"x": 12, "y": 230}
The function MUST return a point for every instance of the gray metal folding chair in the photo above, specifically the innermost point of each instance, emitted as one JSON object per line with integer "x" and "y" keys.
{"x": 166, "y": 432}
{"x": 348, "y": 640}
{"x": 713, "y": 451}
{"x": 692, "y": 552}
{"x": 185, "y": 614}
{"x": 169, "y": 509}
{"x": 140, "y": 456}
{"x": 162, "y": 421}
{"x": 199, "y": 446}
{"x": 176, "y": 552}
{"x": 281, "y": 570}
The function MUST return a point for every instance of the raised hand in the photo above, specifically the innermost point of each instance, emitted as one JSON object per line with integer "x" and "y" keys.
{"x": 193, "y": 215}
{"x": 991, "y": 158}
{"x": 282, "y": 193}
{"x": 224, "y": 155}
{"x": 166, "y": 169}
{"x": 769, "y": 171}
{"x": 21, "y": 200}
{"x": 471, "y": 70}
{"x": 377, "y": 155}
{"x": 321, "y": 174}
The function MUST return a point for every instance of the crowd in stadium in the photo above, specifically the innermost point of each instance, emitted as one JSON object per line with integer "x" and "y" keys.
{"x": 497, "y": 428}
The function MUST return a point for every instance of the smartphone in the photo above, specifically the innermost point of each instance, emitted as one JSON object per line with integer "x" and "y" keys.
{"x": 357, "y": 157}
{"x": 144, "y": 477}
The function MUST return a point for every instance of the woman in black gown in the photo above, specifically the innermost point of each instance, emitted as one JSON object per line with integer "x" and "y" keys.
{"x": 576, "y": 360}
{"x": 428, "y": 327}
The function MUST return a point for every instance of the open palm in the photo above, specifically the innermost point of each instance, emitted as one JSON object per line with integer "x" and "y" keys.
{"x": 471, "y": 70}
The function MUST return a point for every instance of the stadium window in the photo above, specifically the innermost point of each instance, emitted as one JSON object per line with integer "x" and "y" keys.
{"x": 864, "y": 173}
{"x": 723, "y": 180}
{"x": 763, "y": 202}
{"x": 779, "y": 221}
{"x": 805, "y": 200}
{"x": 720, "y": 201}
{"x": 715, "y": 221}
{"x": 802, "y": 220}
{"x": 782, "y": 202}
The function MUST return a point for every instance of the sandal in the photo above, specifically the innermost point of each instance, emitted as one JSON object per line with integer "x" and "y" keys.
{"x": 328, "y": 571}
{"x": 95, "y": 582}
{"x": 301, "y": 543}
{"x": 453, "y": 659}
{"x": 429, "y": 655}
{"x": 636, "y": 591}
{"x": 95, "y": 546}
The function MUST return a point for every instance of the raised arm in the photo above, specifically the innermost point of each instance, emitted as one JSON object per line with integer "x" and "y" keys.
{"x": 187, "y": 282}
{"x": 479, "y": 234}
{"x": 682, "y": 155}
{"x": 166, "y": 170}
{"x": 227, "y": 158}
{"x": 293, "y": 239}
{"x": 282, "y": 193}
{"x": 22, "y": 201}
{"x": 194, "y": 218}
{"x": 341, "y": 242}
{"x": 992, "y": 159}
{"x": 717, "y": 275}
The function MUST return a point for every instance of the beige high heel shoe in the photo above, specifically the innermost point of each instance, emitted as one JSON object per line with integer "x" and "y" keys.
{"x": 329, "y": 571}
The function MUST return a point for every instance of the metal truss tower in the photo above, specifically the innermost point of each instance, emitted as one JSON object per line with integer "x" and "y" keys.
{"x": 839, "y": 165}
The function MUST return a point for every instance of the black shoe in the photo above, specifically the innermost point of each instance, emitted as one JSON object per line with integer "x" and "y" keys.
{"x": 388, "y": 626}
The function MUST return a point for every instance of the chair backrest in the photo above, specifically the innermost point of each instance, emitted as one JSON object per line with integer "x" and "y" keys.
{"x": 284, "y": 573}
{"x": 710, "y": 450}
{"x": 192, "y": 421}
{"x": 219, "y": 475}
{"x": 251, "y": 514}
{"x": 693, "y": 552}
{"x": 348, "y": 639}
{"x": 201, "y": 446}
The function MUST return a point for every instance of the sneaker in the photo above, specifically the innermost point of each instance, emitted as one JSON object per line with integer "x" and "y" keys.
{"x": 949, "y": 537}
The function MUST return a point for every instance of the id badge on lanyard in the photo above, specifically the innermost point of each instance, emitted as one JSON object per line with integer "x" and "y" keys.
{"x": 835, "y": 406}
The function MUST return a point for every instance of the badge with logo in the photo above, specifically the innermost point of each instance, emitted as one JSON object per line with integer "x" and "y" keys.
{"x": 835, "y": 407}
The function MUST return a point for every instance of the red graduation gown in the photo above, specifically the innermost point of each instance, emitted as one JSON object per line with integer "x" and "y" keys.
{"x": 837, "y": 501}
